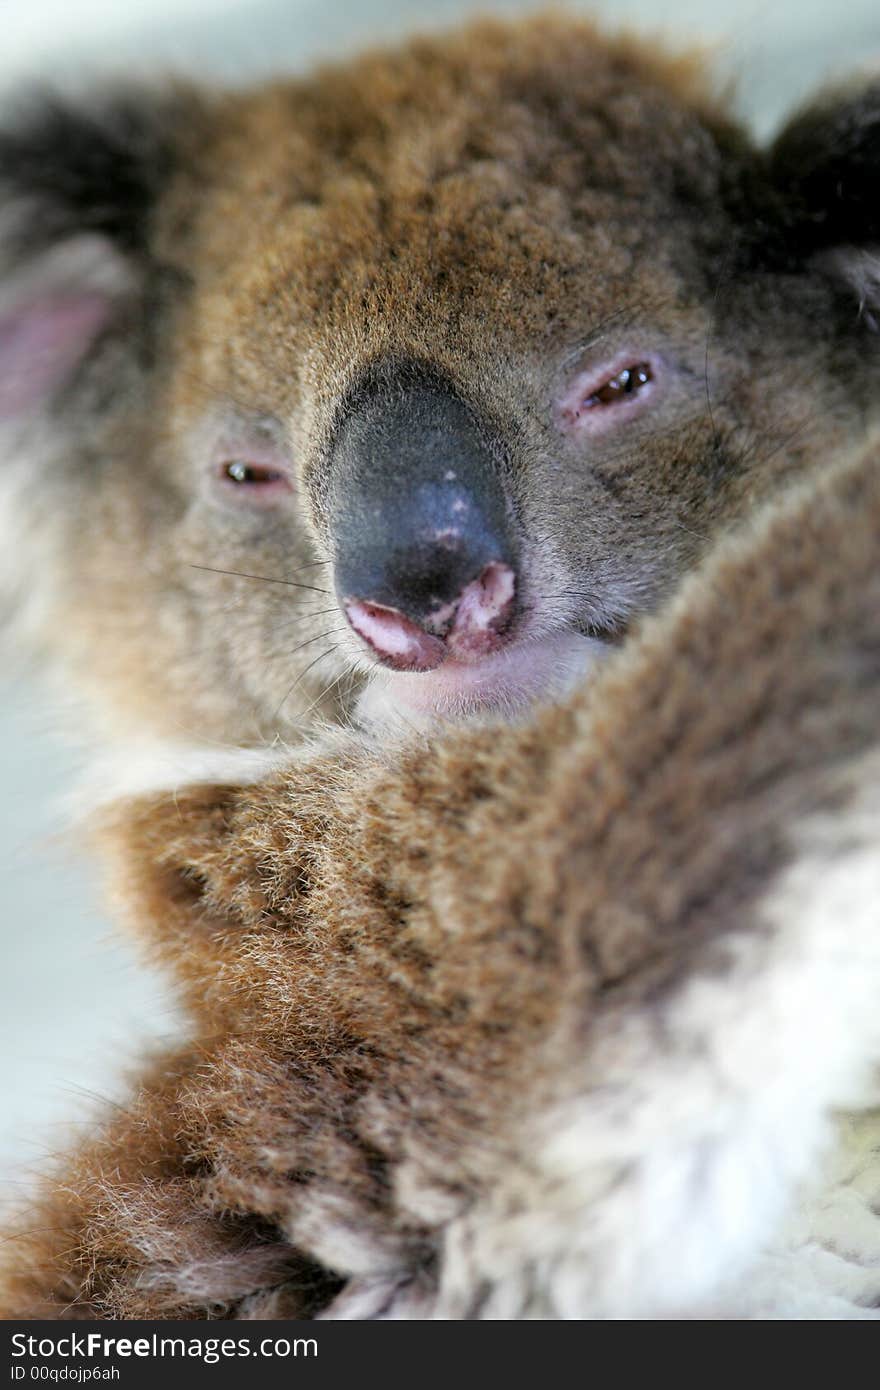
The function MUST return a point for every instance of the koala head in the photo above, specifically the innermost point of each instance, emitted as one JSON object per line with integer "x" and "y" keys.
{"x": 424, "y": 376}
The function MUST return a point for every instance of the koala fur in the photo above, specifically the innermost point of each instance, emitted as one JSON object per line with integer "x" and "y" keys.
{"x": 192, "y": 281}
{"x": 517, "y": 1020}
{"x": 543, "y": 1019}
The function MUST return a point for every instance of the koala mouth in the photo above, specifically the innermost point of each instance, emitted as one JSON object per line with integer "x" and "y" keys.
{"x": 470, "y": 659}
{"x": 506, "y": 682}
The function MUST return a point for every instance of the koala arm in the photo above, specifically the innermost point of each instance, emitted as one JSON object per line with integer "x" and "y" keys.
{"x": 411, "y": 969}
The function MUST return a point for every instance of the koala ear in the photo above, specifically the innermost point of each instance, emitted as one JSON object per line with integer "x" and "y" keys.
{"x": 78, "y": 191}
{"x": 825, "y": 173}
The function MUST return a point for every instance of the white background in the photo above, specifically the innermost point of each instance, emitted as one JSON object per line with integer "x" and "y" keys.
{"x": 74, "y": 1003}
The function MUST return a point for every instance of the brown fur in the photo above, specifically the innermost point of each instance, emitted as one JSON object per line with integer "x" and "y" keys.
{"x": 507, "y": 205}
{"x": 396, "y": 962}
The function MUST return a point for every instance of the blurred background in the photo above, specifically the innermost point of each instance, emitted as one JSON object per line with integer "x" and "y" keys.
{"x": 75, "y": 1004}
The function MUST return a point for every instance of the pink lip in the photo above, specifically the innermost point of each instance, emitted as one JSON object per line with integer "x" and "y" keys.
{"x": 507, "y": 681}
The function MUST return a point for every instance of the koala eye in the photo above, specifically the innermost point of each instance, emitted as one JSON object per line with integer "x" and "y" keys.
{"x": 626, "y": 383}
{"x": 245, "y": 474}
{"x": 600, "y": 399}
{"x": 250, "y": 467}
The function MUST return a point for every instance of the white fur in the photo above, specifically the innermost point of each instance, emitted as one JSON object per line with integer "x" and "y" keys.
{"x": 862, "y": 269}
{"x": 506, "y": 684}
{"x": 143, "y": 766}
{"x": 28, "y": 526}
{"x": 825, "y": 1260}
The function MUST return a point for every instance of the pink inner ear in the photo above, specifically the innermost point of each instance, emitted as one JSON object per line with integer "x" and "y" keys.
{"x": 41, "y": 343}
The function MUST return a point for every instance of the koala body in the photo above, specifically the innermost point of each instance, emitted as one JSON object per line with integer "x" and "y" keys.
{"x": 421, "y": 383}
{"x": 549, "y": 1019}
{"x": 429, "y": 373}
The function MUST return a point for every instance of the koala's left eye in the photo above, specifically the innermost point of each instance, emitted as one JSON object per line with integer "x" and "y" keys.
{"x": 620, "y": 387}
{"x": 607, "y": 396}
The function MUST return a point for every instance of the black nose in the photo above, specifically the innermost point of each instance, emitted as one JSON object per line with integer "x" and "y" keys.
{"x": 425, "y": 555}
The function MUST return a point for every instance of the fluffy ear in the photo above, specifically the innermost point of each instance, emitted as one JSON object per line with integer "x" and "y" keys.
{"x": 825, "y": 172}
{"x": 78, "y": 192}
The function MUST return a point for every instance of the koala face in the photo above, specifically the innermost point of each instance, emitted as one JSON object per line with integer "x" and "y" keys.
{"x": 416, "y": 382}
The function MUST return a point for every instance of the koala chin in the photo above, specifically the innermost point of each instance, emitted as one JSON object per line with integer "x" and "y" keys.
{"x": 410, "y": 386}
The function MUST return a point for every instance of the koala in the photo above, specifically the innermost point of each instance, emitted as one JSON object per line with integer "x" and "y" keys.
{"x": 406, "y": 388}
{"x": 541, "y": 1019}
{"x": 416, "y": 388}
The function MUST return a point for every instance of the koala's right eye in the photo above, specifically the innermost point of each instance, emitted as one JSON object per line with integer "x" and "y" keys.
{"x": 245, "y": 474}
{"x": 251, "y": 467}
{"x": 241, "y": 480}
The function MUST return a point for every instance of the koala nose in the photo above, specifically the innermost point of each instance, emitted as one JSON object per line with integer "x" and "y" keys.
{"x": 425, "y": 554}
